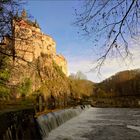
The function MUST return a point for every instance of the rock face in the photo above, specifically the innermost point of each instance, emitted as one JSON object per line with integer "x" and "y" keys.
{"x": 30, "y": 43}
{"x": 36, "y": 62}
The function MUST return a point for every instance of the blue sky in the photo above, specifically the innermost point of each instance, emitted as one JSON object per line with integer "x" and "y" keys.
{"x": 56, "y": 18}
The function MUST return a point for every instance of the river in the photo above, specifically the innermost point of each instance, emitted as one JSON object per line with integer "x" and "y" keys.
{"x": 100, "y": 124}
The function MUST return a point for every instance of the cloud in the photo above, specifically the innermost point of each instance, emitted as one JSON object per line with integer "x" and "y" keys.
{"x": 111, "y": 66}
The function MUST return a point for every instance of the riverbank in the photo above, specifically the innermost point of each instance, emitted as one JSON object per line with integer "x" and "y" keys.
{"x": 16, "y": 104}
{"x": 119, "y": 102}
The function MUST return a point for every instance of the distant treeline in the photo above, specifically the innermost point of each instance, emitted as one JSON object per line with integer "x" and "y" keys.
{"x": 126, "y": 83}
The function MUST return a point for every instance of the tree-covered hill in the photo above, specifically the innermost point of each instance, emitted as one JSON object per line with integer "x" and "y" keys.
{"x": 125, "y": 83}
{"x": 121, "y": 89}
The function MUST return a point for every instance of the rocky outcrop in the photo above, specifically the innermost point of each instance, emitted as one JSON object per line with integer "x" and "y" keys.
{"x": 30, "y": 42}
{"x": 32, "y": 62}
{"x": 37, "y": 62}
{"x": 61, "y": 62}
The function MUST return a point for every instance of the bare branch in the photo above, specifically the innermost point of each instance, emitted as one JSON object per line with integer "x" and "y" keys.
{"x": 115, "y": 20}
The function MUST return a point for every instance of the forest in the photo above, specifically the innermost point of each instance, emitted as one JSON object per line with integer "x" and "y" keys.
{"x": 123, "y": 87}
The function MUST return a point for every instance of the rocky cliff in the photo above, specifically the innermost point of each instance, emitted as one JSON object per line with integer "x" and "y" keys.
{"x": 36, "y": 60}
{"x": 30, "y": 42}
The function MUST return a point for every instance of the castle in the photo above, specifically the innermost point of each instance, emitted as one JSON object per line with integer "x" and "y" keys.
{"x": 30, "y": 43}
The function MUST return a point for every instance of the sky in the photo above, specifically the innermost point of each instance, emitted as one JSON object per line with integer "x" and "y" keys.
{"x": 56, "y": 18}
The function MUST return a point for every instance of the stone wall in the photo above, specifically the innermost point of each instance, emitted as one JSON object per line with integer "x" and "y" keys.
{"x": 19, "y": 125}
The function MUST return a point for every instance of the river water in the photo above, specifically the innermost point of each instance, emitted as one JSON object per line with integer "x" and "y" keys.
{"x": 100, "y": 124}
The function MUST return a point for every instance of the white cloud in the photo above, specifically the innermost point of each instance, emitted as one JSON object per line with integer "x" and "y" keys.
{"x": 112, "y": 65}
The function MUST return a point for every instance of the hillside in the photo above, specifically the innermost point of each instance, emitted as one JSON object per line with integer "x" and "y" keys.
{"x": 121, "y": 89}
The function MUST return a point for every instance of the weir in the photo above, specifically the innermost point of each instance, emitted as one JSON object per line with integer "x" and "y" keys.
{"x": 22, "y": 125}
{"x": 50, "y": 121}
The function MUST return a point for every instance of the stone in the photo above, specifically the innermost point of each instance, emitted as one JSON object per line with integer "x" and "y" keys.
{"x": 30, "y": 42}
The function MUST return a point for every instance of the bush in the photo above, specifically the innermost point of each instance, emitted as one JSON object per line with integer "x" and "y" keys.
{"x": 25, "y": 87}
{"x": 4, "y": 92}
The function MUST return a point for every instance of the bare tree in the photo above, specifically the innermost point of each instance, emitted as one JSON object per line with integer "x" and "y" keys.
{"x": 8, "y": 10}
{"x": 9, "y": 13}
{"x": 111, "y": 24}
{"x": 80, "y": 75}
